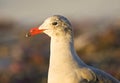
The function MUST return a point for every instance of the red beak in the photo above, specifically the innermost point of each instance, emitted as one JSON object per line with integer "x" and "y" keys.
{"x": 34, "y": 31}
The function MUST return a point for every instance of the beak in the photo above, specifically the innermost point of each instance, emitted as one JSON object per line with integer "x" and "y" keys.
{"x": 34, "y": 31}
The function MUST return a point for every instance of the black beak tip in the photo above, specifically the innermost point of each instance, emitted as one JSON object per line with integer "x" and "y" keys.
{"x": 28, "y": 35}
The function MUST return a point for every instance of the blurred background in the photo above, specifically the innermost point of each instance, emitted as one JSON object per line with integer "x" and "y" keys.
{"x": 25, "y": 60}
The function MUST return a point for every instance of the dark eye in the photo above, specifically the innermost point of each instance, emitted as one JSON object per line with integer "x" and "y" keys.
{"x": 54, "y": 23}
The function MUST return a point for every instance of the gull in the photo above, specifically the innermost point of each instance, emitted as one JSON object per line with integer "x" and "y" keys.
{"x": 65, "y": 66}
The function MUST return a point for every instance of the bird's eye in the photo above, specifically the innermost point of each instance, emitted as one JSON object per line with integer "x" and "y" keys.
{"x": 54, "y": 23}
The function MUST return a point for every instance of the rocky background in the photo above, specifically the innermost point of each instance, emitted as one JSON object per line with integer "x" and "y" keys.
{"x": 26, "y": 60}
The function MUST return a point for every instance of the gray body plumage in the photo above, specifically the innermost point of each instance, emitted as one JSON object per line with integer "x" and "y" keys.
{"x": 65, "y": 66}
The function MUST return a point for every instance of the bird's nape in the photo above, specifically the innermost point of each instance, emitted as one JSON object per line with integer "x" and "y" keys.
{"x": 65, "y": 65}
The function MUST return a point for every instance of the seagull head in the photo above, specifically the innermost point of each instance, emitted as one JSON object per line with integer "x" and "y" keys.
{"x": 54, "y": 26}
